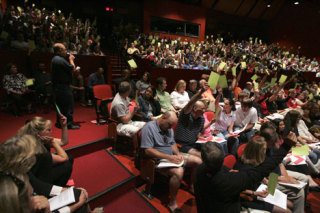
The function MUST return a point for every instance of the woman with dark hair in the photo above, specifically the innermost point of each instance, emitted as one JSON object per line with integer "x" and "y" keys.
{"x": 143, "y": 83}
{"x": 16, "y": 88}
{"x": 150, "y": 108}
{"x": 224, "y": 121}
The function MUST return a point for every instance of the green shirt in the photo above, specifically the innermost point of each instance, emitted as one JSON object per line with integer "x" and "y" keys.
{"x": 164, "y": 100}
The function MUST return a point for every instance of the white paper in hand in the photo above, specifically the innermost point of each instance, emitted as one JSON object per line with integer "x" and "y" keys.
{"x": 278, "y": 199}
{"x": 65, "y": 198}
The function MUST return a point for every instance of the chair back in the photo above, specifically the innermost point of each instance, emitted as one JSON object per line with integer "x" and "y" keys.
{"x": 229, "y": 161}
{"x": 102, "y": 91}
{"x": 241, "y": 149}
{"x": 210, "y": 115}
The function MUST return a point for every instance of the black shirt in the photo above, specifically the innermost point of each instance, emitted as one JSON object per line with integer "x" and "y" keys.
{"x": 61, "y": 70}
{"x": 219, "y": 192}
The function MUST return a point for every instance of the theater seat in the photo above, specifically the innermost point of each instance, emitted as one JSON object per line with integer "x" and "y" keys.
{"x": 102, "y": 98}
{"x": 229, "y": 161}
{"x": 241, "y": 149}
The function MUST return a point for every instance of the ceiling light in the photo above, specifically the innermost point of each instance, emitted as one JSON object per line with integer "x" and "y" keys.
{"x": 296, "y": 2}
{"x": 268, "y": 5}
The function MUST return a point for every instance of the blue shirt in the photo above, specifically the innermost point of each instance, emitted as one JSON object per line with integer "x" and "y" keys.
{"x": 153, "y": 137}
{"x": 95, "y": 79}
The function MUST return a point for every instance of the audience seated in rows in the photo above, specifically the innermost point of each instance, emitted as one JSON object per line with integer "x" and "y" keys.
{"x": 30, "y": 28}
{"x": 207, "y": 54}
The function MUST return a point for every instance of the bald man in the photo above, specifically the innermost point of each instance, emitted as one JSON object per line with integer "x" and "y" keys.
{"x": 61, "y": 80}
{"x": 190, "y": 124}
{"x": 157, "y": 140}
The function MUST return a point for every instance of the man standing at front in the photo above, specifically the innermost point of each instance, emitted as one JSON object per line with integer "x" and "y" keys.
{"x": 61, "y": 79}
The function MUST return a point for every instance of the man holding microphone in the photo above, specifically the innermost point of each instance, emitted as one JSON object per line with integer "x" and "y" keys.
{"x": 62, "y": 66}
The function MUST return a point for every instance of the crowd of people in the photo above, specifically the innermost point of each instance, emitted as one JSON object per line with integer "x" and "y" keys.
{"x": 30, "y": 28}
{"x": 207, "y": 54}
{"x": 267, "y": 118}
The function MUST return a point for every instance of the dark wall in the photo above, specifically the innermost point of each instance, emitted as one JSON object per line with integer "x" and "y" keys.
{"x": 174, "y": 10}
{"x": 297, "y": 25}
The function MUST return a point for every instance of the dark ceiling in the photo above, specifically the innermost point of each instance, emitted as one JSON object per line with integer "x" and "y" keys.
{"x": 255, "y": 9}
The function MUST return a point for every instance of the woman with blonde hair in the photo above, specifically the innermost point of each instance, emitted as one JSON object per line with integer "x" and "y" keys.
{"x": 54, "y": 168}
{"x": 179, "y": 97}
{"x": 17, "y": 156}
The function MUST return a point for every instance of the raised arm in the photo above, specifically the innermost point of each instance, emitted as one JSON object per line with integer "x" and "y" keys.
{"x": 188, "y": 108}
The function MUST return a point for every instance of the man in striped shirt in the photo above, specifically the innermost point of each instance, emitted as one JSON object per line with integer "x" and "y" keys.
{"x": 190, "y": 124}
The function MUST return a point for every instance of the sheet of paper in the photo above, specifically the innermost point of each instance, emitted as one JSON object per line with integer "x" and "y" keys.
{"x": 297, "y": 160}
{"x": 273, "y": 81}
{"x": 254, "y": 77}
{"x": 278, "y": 199}
{"x": 299, "y": 185}
{"x": 300, "y": 150}
{"x": 243, "y": 65}
{"x": 29, "y": 82}
{"x": 213, "y": 80}
{"x": 65, "y": 198}
{"x": 132, "y": 64}
{"x": 204, "y": 139}
{"x": 234, "y": 71}
{"x": 223, "y": 82}
{"x": 282, "y": 79}
{"x": 165, "y": 164}
{"x": 272, "y": 182}
{"x": 275, "y": 116}
{"x": 221, "y": 65}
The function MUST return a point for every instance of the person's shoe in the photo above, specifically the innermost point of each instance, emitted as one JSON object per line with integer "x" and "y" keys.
{"x": 73, "y": 126}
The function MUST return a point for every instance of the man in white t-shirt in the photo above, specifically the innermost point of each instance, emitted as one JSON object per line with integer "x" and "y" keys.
{"x": 246, "y": 117}
{"x": 121, "y": 113}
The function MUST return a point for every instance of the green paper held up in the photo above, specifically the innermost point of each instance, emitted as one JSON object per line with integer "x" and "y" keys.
{"x": 223, "y": 83}
{"x": 254, "y": 77}
{"x": 282, "y": 79}
{"x": 213, "y": 80}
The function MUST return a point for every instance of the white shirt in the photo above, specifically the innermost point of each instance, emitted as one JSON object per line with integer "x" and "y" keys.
{"x": 244, "y": 118}
{"x": 179, "y": 100}
{"x": 223, "y": 121}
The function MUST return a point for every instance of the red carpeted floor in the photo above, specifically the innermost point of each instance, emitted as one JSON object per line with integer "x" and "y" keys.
{"x": 97, "y": 171}
{"x": 121, "y": 204}
{"x": 83, "y": 115}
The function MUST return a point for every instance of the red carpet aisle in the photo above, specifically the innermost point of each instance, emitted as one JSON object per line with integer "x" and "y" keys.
{"x": 83, "y": 115}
